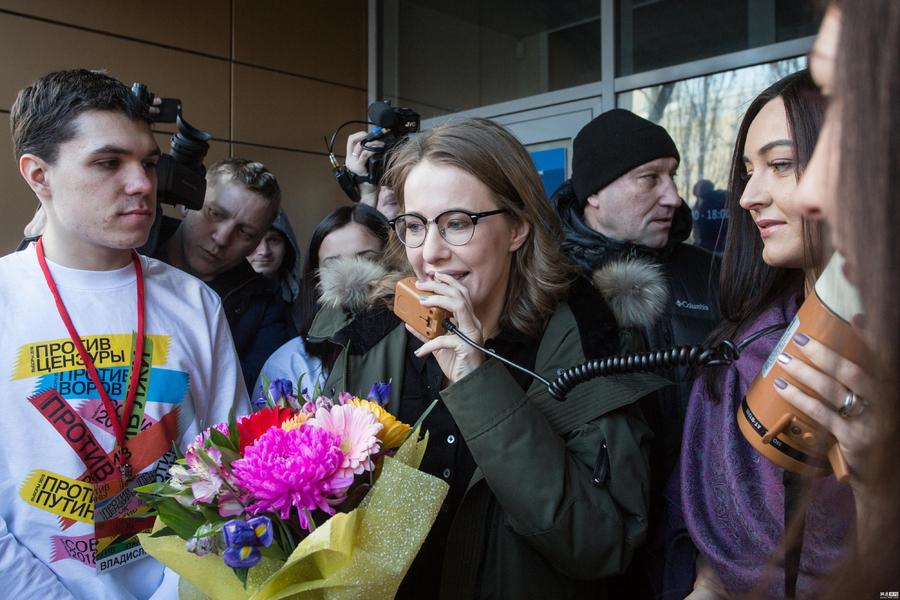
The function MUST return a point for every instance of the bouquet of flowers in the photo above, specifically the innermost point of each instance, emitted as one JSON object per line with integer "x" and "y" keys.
{"x": 309, "y": 496}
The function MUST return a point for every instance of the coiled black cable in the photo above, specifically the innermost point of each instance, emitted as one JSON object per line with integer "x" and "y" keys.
{"x": 680, "y": 356}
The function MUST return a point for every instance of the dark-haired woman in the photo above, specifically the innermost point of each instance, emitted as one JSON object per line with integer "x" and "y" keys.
{"x": 733, "y": 499}
{"x": 348, "y": 231}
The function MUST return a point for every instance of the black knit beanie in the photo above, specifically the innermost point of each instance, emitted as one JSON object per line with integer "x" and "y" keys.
{"x": 613, "y": 144}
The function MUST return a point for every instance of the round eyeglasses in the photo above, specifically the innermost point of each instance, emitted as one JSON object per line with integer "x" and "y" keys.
{"x": 455, "y": 226}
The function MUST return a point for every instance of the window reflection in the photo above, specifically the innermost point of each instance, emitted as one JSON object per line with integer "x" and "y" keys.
{"x": 440, "y": 57}
{"x": 702, "y": 115}
{"x": 660, "y": 33}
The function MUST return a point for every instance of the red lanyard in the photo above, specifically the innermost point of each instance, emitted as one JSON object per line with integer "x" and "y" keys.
{"x": 119, "y": 427}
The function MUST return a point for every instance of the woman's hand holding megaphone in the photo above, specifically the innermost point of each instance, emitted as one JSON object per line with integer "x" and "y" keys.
{"x": 455, "y": 357}
{"x": 846, "y": 389}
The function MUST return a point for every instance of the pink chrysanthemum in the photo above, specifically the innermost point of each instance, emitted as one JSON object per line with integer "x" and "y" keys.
{"x": 299, "y": 468}
{"x": 358, "y": 430}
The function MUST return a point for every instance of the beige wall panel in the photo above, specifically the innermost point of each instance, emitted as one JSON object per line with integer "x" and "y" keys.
{"x": 17, "y": 202}
{"x": 318, "y": 38}
{"x": 290, "y": 112}
{"x": 308, "y": 189}
{"x": 198, "y": 25}
{"x": 201, "y": 83}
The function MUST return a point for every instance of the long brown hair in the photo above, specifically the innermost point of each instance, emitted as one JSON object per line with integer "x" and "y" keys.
{"x": 867, "y": 92}
{"x": 480, "y": 147}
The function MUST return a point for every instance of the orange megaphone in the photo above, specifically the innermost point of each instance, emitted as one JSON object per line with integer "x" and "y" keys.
{"x": 776, "y": 428}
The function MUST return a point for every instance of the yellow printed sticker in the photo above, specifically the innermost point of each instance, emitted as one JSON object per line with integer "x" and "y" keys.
{"x": 56, "y": 356}
{"x": 60, "y": 495}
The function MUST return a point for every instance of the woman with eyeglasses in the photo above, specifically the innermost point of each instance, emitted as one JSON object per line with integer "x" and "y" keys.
{"x": 547, "y": 498}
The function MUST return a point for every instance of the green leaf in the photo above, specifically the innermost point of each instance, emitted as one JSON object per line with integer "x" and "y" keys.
{"x": 266, "y": 382}
{"x": 309, "y": 518}
{"x": 181, "y": 519}
{"x": 155, "y": 488}
{"x": 233, "y": 434}
{"x": 211, "y": 515}
{"x": 421, "y": 419}
{"x": 229, "y": 456}
{"x": 163, "y": 532}
{"x": 209, "y": 529}
{"x": 283, "y": 535}
{"x": 242, "y": 575}
{"x": 299, "y": 385}
{"x": 178, "y": 454}
{"x": 220, "y": 441}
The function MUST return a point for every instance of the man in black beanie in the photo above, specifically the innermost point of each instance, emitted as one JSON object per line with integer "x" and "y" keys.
{"x": 625, "y": 227}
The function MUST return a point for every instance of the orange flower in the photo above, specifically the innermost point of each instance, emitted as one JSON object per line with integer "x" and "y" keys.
{"x": 393, "y": 433}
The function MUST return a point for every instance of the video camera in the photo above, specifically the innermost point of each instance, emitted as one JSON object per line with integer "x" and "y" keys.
{"x": 392, "y": 126}
{"x": 181, "y": 176}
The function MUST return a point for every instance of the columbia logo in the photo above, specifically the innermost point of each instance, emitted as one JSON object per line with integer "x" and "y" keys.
{"x": 691, "y": 305}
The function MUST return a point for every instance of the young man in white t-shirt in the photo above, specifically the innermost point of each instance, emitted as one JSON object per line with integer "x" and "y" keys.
{"x": 72, "y": 308}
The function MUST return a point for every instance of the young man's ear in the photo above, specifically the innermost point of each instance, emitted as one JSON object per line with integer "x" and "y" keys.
{"x": 34, "y": 171}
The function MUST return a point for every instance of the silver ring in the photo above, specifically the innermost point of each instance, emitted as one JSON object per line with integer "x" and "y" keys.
{"x": 853, "y": 406}
{"x": 354, "y": 154}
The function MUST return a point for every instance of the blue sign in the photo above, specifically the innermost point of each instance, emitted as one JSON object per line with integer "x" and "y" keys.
{"x": 551, "y": 166}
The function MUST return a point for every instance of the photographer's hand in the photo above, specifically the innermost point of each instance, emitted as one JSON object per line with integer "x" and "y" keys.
{"x": 157, "y": 100}
{"x": 455, "y": 357}
{"x": 356, "y": 161}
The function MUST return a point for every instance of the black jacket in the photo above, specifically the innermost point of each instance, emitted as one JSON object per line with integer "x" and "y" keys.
{"x": 689, "y": 311}
{"x": 257, "y": 316}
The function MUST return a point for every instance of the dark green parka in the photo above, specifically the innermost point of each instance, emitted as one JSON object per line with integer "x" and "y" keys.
{"x": 532, "y": 524}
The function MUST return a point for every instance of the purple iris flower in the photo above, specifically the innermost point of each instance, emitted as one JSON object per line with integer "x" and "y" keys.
{"x": 260, "y": 401}
{"x": 380, "y": 392}
{"x": 280, "y": 388}
{"x": 243, "y": 539}
{"x": 242, "y": 557}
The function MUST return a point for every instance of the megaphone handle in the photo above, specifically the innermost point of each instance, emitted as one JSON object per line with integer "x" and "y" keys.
{"x": 838, "y": 463}
{"x": 778, "y": 428}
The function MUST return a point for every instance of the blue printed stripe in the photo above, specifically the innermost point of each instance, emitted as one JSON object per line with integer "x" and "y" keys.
{"x": 166, "y": 386}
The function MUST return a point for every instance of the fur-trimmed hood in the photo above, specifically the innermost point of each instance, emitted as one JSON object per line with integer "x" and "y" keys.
{"x": 351, "y": 283}
{"x": 635, "y": 289}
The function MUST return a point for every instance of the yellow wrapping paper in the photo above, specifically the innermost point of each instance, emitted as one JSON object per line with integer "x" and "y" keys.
{"x": 363, "y": 554}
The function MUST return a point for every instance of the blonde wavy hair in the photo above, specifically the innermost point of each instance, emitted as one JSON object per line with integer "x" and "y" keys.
{"x": 539, "y": 277}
